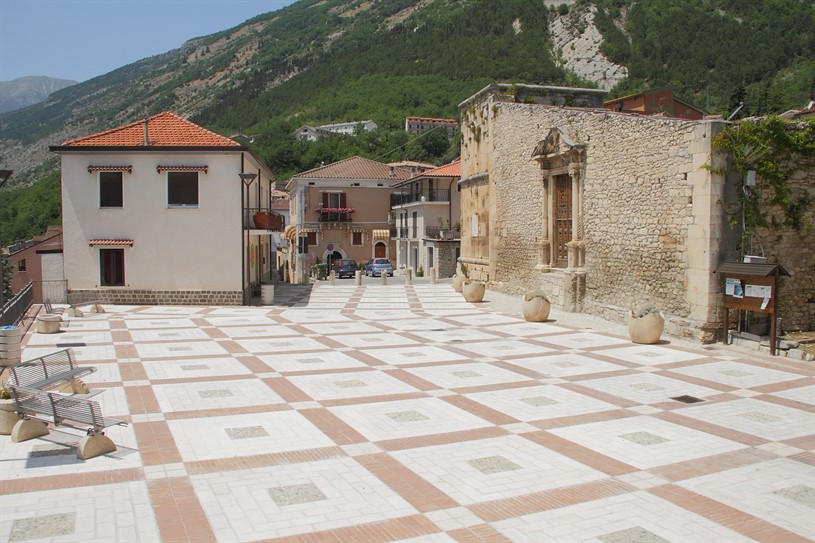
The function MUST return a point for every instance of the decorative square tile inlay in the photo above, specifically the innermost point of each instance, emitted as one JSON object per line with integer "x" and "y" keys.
{"x": 219, "y": 393}
{"x": 411, "y": 354}
{"x": 800, "y": 493}
{"x": 407, "y": 416}
{"x": 295, "y": 494}
{"x": 169, "y": 334}
{"x": 736, "y": 373}
{"x": 539, "y": 401}
{"x": 246, "y": 432}
{"x": 493, "y": 464}
{"x": 634, "y": 534}
{"x": 644, "y": 438}
{"x": 354, "y": 383}
{"x": 758, "y": 416}
{"x": 647, "y": 387}
{"x": 193, "y": 367}
{"x": 466, "y": 374}
{"x": 180, "y": 348}
{"x": 310, "y": 360}
{"x": 565, "y": 364}
{"x": 25, "y": 529}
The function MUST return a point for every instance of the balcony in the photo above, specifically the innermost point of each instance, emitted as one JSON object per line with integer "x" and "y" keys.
{"x": 334, "y": 214}
{"x": 437, "y": 232}
{"x": 436, "y": 195}
{"x": 262, "y": 219}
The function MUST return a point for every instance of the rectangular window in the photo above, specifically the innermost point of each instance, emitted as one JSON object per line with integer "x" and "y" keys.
{"x": 474, "y": 226}
{"x": 21, "y": 265}
{"x": 312, "y": 239}
{"x": 110, "y": 189}
{"x": 112, "y": 267}
{"x": 182, "y": 189}
{"x": 356, "y": 238}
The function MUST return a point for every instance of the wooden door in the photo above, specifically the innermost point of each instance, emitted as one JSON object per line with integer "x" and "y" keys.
{"x": 379, "y": 250}
{"x": 563, "y": 219}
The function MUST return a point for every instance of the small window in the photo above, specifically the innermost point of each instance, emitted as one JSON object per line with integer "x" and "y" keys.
{"x": 112, "y": 267}
{"x": 356, "y": 238}
{"x": 474, "y": 226}
{"x": 182, "y": 189}
{"x": 312, "y": 238}
{"x": 110, "y": 189}
{"x": 21, "y": 265}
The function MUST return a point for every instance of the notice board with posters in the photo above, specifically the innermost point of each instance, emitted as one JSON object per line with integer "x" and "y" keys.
{"x": 751, "y": 286}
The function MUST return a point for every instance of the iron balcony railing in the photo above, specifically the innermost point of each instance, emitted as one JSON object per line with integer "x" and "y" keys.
{"x": 255, "y": 218}
{"x": 435, "y": 195}
{"x": 438, "y": 232}
{"x": 334, "y": 216}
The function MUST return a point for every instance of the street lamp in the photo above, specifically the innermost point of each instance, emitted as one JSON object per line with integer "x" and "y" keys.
{"x": 4, "y": 176}
{"x": 247, "y": 178}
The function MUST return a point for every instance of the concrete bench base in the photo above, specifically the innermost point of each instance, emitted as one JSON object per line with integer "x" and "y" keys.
{"x": 74, "y": 312}
{"x": 75, "y": 386}
{"x": 26, "y": 429}
{"x": 94, "y": 445}
{"x": 48, "y": 324}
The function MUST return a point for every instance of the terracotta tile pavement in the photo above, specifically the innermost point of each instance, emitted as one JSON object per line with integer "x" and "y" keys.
{"x": 337, "y": 476}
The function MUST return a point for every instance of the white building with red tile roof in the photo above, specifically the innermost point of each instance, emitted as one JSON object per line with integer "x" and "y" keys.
{"x": 163, "y": 211}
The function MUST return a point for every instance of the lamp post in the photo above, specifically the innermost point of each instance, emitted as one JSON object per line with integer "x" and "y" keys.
{"x": 4, "y": 176}
{"x": 247, "y": 178}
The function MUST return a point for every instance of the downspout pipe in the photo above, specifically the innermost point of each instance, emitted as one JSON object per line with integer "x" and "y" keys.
{"x": 243, "y": 239}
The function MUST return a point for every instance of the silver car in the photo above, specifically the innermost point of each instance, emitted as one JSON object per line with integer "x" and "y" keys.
{"x": 378, "y": 266}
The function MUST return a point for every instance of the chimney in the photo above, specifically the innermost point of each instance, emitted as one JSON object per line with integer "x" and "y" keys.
{"x": 146, "y": 141}
{"x": 391, "y": 172}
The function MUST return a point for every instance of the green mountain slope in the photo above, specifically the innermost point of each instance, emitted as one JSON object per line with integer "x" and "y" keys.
{"x": 324, "y": 61}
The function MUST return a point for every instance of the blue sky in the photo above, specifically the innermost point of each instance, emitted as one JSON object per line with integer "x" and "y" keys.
{"x": 81, "y": 39}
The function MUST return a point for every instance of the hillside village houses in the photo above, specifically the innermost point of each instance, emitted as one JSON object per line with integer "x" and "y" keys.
{"x": 606, "y": 211}
{"x": 340, "y": 211}
{"x": 163, "y": 211}
{"x": 426, "y": 210}
{"x": 314, "y": 133}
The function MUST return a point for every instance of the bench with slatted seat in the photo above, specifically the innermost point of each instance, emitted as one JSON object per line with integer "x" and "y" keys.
{"x": 37, "y": 408}
{"x": 50, "y": 371}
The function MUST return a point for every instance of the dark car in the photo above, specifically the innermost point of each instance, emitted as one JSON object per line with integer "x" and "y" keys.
{"x": 343, "y": 268}
{"x": 378, "y": 266}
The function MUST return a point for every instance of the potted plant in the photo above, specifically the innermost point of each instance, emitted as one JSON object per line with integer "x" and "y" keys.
{"x": 645, "y": 325}
{"x": 8, "y": 414}
{"x": 536, "y": 306}
{"x": 473, "y": 291}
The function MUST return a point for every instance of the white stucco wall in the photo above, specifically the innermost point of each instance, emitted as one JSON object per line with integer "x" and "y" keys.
{"x": 174, "y": 248}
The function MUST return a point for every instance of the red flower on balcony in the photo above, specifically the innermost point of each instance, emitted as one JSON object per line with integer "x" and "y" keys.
{"x": 335, "y": 210}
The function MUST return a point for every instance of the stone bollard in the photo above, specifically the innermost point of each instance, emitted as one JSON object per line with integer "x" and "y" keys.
{"x": 408, "y": 277}
{"x": 358, "y": 277}
{"x": 332, "y": 278}
{"x": 384, "y": 276}
{"x": 431, "y": 272}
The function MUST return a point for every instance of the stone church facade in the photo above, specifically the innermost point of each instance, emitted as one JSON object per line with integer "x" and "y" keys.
{"x": 603, "y": 211}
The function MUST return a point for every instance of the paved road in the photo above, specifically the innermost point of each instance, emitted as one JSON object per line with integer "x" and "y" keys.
{"x": 402, "y": 413}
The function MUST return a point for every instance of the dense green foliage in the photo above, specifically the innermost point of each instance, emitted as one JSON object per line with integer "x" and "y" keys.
{"x": 766, "y": 147}
{"x": 27, "y": 212}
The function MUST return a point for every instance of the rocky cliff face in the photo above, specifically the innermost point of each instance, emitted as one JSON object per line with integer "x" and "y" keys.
{"x": 576, "y": 46}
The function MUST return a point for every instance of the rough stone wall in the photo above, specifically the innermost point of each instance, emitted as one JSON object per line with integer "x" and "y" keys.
{"x": 796, "y": 252}
{"x": 157, "y": 297}
{"x": 650, "y": 218}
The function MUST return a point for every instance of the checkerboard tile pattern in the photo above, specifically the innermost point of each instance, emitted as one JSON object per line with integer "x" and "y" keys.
{"x": 404, "y": 414}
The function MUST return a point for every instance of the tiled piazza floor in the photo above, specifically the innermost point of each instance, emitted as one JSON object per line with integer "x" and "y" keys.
{"x": 402, "y": 413}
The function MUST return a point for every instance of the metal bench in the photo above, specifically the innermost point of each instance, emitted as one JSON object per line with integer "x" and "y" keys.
{"x": 37, "y": 408}
{"x": 49, "y": 371}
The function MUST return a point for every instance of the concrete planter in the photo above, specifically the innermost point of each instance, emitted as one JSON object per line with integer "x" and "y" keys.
{"x": 8, "y": 417}
{"x": 473, "y": 291}
{"x": 536, "y": 309}
{"x": 646, "y": 330}
{"x": 458, "y": 282}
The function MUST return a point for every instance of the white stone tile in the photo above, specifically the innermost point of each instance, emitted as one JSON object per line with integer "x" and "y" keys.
{"x": 804, "y": 395}
{"x": 214, "y": 395}
{"x": 415, "y": 354}
{"x": 647, "y": 388}
{"x": 490, "y": 469}
{"x": 245, "y": 435}
{"x": 193, "y": 369}
{"x": 350, "y": 385}
{"x": 407, "y": 418}
{"x": 591, "y": 520}
{"x": 763, "y": 419}
{"x": 313, "y": 361}
{"x": 276, "y": 345}
{"x": 736, "y": 374}
{"x": 583, "y": 340}
{"x": 651, "y": 355}
{"x": 466, "y": 375}
{"x": 780, "y": 491}
{"x": 331, "y": 494}
{"x": 645, "y": 442}
{"x": 540, "y": 402}
{"x": 564, "y": 365}
{"x": 499, "y": 348}
{"x": 179, "y": 349}
{"x": 381, "y": 339}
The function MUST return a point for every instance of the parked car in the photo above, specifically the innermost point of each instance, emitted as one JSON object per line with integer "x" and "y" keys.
{"x": 345, "y": 267}
{"x": 378, "y": 266}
